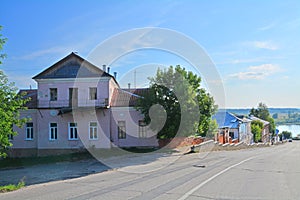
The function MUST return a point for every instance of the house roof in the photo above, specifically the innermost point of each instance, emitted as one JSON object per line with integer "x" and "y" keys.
{"x": 127, "y": 97}
{"x": 227, "y": 120}
{"x": 261, "y": 120}
{"x": 32, "y": 94}
{"x": 72, "y": 66}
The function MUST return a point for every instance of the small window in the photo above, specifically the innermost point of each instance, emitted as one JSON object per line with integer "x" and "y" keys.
{"x": 53, "y": 94}
{"x": 73, "y": 134}
{"x": 142, "y": 129}
{"x": 93, "y": 93}
{"x": 93, "y": 132}
{"x": 29, "y": 131}
{"x": 10, "y": 136}
{"x": 231, "y": 134}
{"x": 53, "y": 131}
{"x": 121, "y": 130}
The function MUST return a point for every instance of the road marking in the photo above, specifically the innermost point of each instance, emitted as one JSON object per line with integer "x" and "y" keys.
{"x": 186, "y": 195}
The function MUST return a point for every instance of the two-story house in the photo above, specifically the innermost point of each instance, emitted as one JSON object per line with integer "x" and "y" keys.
{"x": 78, "y": 106}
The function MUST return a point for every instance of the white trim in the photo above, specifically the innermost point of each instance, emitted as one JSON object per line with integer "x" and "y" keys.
{"x": 123, "y": 108}
{"x": 53, "y": 128}
{"x": 26, "y": 128}
{"x": 57, "y": 80}
{"x": 69, "y": 131}
{"x": 97, "y": 128}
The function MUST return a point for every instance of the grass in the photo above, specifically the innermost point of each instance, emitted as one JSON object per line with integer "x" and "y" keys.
{"x": 12, "y": 187}
{"x": 31, "y": 161}
{"x": 8, "y": 163}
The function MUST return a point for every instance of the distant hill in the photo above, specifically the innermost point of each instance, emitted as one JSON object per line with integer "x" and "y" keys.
{"x": 246, "y": 111}
{"x": 280, "y": 115}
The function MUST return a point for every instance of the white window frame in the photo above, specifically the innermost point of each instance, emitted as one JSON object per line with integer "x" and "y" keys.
{"x": 55, "y": 129}
{"x": 93, "y": 131}
{"x": 53, "y": 98}
{"x": 29, "y": 131}
{"x": 142, "y": 129}
{"x": 93, "y": 96}
{"x": 122, "y": 130}
{"x": 74, "y": 129}
{"x": 10, "y": 137}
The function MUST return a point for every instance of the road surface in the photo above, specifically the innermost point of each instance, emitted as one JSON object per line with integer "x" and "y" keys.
{"x": 259, "y": 173}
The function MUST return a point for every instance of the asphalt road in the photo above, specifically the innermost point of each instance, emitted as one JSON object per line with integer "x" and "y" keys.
{"x": 260, "y": 173}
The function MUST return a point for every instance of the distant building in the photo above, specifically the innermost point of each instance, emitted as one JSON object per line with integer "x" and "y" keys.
{"x": 233, "y": 128}
{"x": 238, "y": 128}
{"x": 265, "y": 135}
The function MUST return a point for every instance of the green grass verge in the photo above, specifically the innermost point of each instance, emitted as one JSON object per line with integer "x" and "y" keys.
{"x": 12, "y": 187}
{"x": 31, "y": 161}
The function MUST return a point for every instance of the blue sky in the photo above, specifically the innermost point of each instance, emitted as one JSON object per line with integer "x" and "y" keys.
{"x": 253, "y": 44}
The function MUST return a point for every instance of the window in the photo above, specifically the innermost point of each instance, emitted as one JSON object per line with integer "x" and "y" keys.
{"x": 29, "y": 131}
{"x": 93, "y": 93}
{"x": 73, "y": 135}
{"x": 53, "y": 131}
{"x": 142, "y": 129}
{"x": 93, "y": 131}
{"x": 121, "y": 130}
{"x": 231, "y": 134}
{"x": 53, "y": 94}
{"x": 10, "y": 136}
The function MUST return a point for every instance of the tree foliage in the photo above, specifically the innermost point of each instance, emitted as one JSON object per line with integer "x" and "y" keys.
{"x": 262, "y": 112}
{"x": 181, "y": 106}
{"x": 213, "y": 129}
{"x": 256, "y": 128}
{"x": 286, "y": 134}
{"x": 11, "y": 102}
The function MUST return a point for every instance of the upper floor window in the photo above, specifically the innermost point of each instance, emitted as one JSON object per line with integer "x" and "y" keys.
{"x": 73, "y": 135}
{"x": 53, "y": 131}
{"x": 53, "y": 94}
{"x": 121, "y": 130}
{"x": 93, "y": 93}
{"x": 29, "y": 131}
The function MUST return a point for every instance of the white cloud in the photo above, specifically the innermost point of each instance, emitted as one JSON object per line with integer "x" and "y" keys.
{"x": 257, "y": 72}
{"x": 267, "y": 27}
{"x": 265, "y": 45}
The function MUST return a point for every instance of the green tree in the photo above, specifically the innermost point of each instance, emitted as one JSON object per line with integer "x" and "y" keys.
{"x": 262, "y": 112}
{"x": 286, "y": 134}
{"x": 256, "y": 129}
{"x": 184, "y": 106}
{"x": 11, "y": 102}
{"x": 213, "y": 129}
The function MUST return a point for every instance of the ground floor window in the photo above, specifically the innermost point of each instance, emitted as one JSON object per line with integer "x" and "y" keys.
{"x": 53, "y": 131}
{"x": 73, "y": 135}
{"x": 29, "y": 131}
{"x": 121, "y": 130}
{"x": 93, "y": 132}
{"x": 142, "y": 129}
{"x": 231, "y": 134}
{"x": 10, "y": 136}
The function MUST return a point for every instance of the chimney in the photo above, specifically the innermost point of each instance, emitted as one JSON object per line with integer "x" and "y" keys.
{"x": 108, "y": 69}
{"x": 129, "y": 86}
{"x": 104, "y": 68}
{"x": 115, "y": 75}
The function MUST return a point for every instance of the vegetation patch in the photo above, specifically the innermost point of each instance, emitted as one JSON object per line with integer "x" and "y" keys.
{"x": 31, "y": 161}
{"x": 12, "y": 187}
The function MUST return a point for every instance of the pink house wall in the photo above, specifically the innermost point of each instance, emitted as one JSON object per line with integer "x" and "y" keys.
{"x": 131, "y": 118}
{"x": 63, "y": 86}
{"x": 20, "y": 141}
